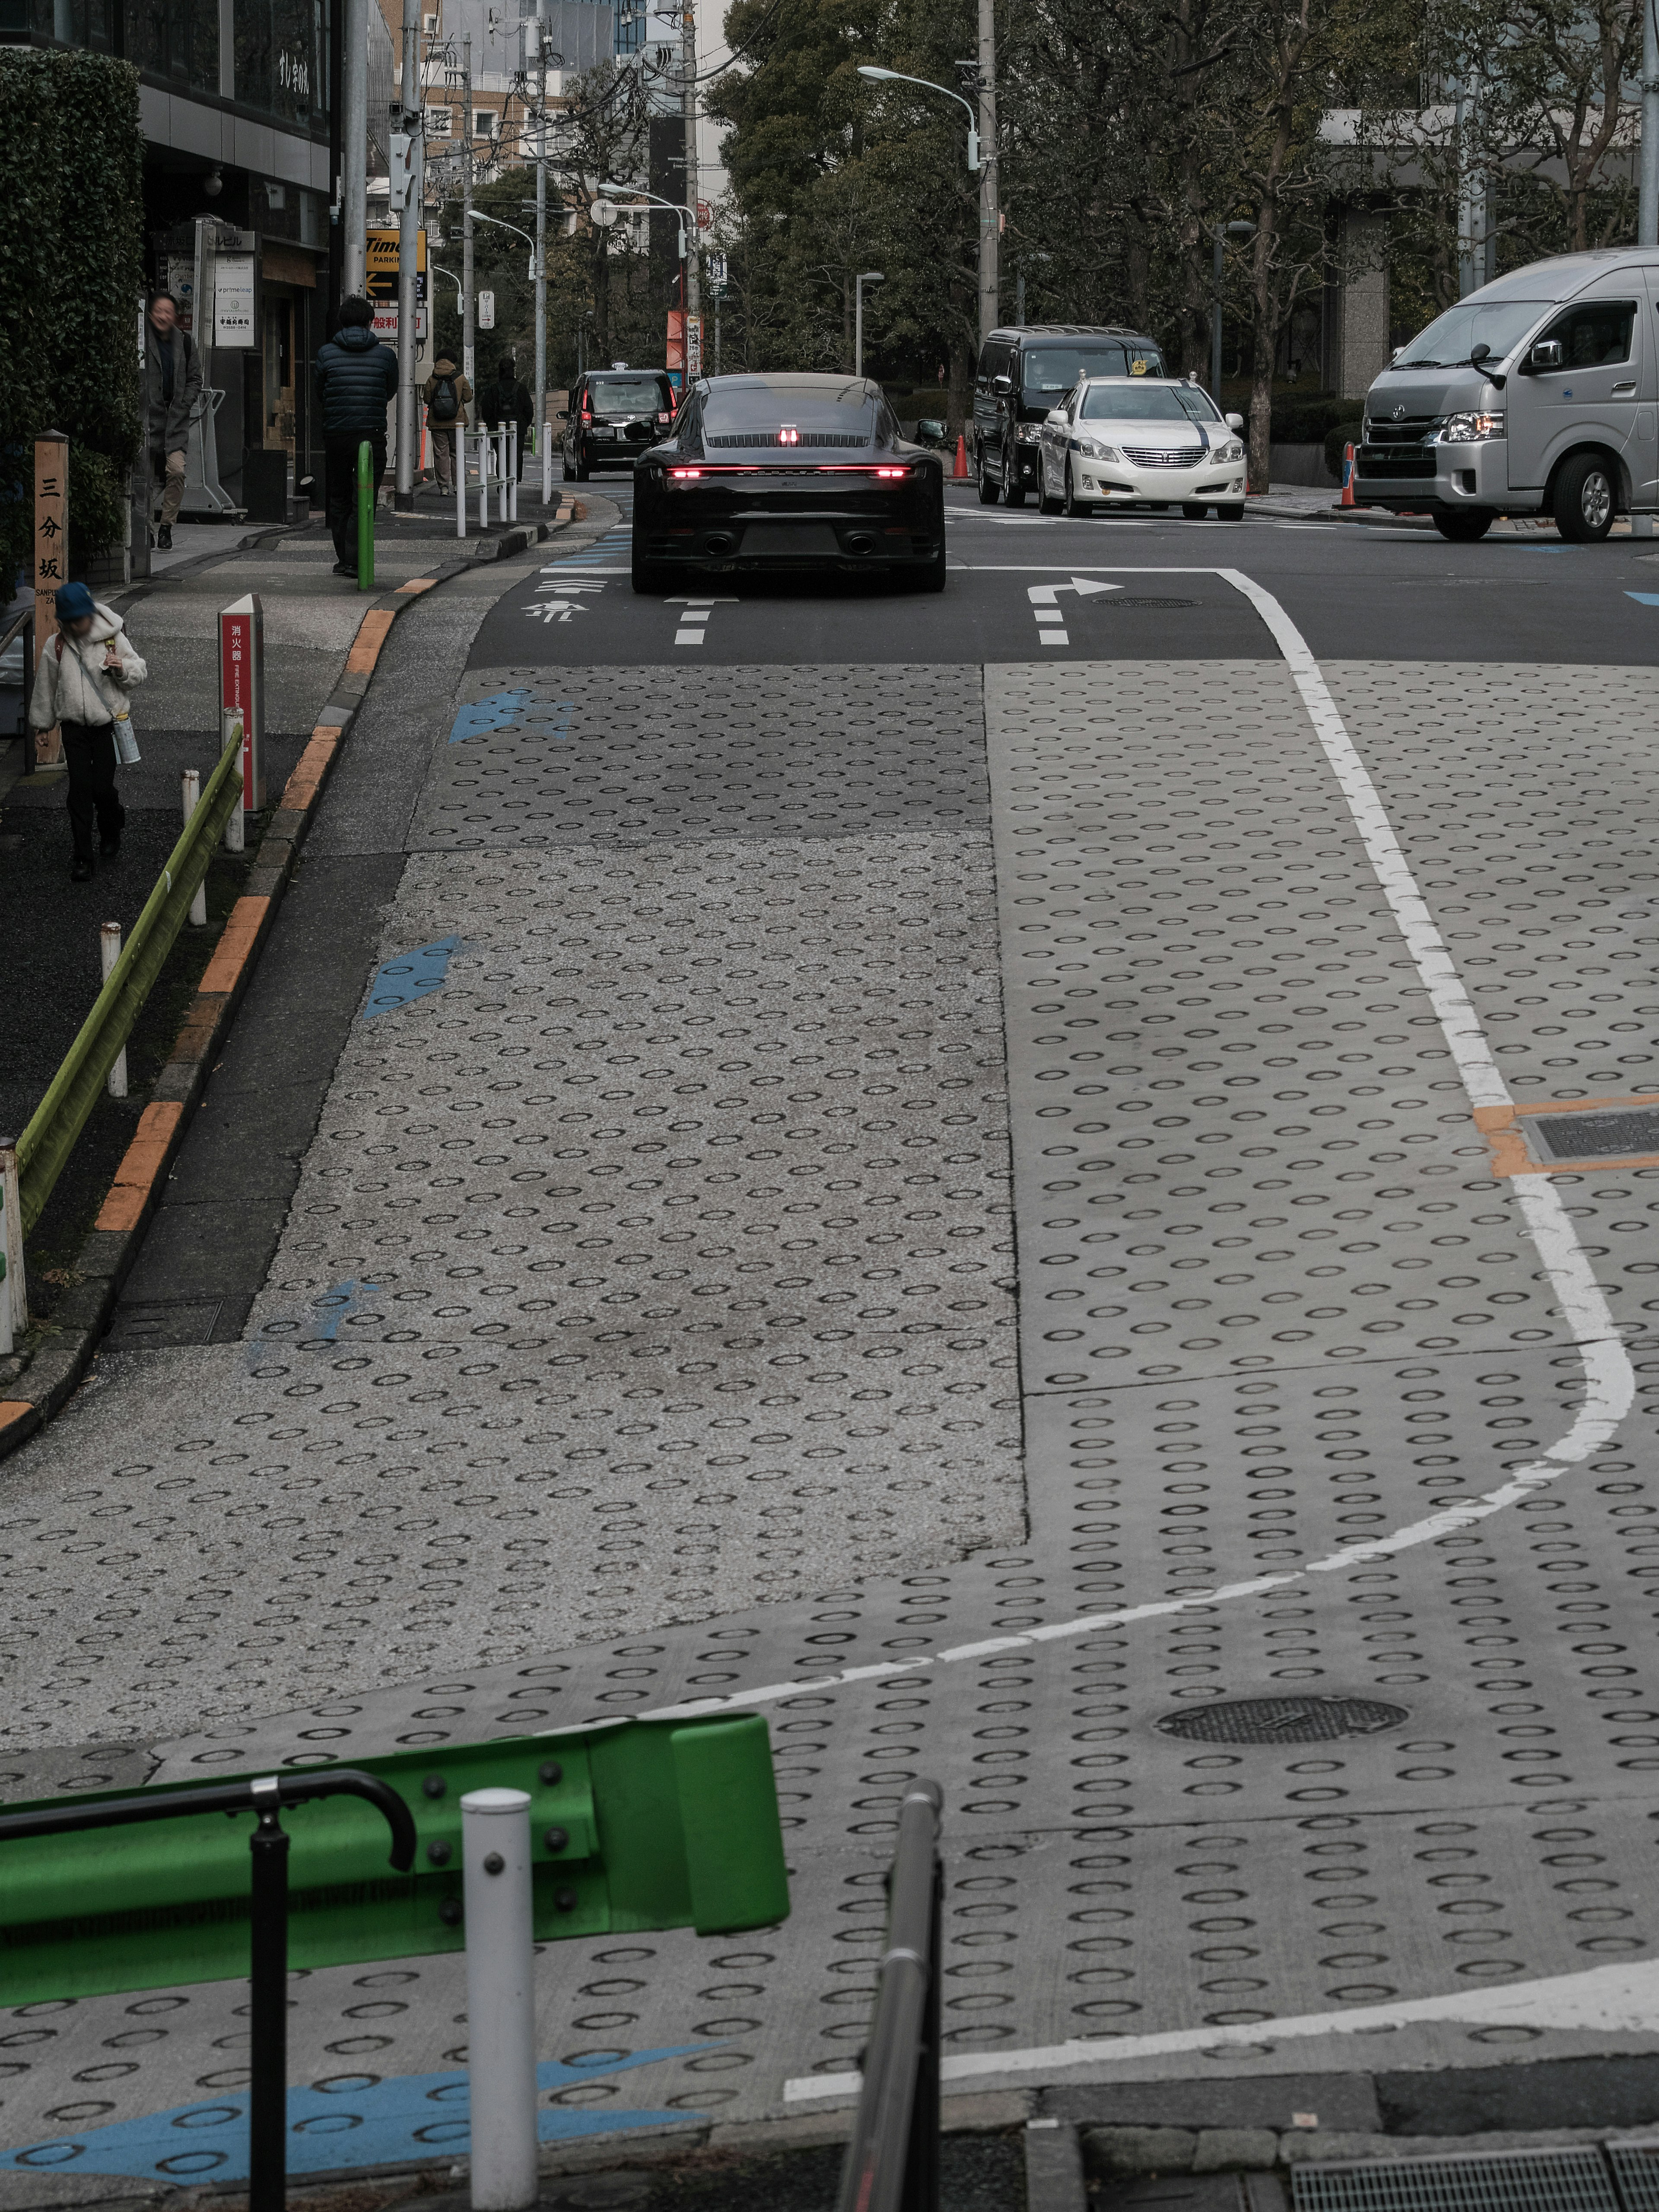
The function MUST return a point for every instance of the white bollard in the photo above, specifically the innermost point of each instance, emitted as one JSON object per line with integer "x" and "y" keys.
{"x": 460, "y": 479}
{"x": 547, "y": 462}
{"x": 510, "y": 473}
{"x": 190, "y": 798}
{"x": 501, "y": 1997}
{"x": 484, "y": 476}
{"x": 109, "y": 952}
{"x": 14, "y": 1294}
{"x": 1641, "y": 525}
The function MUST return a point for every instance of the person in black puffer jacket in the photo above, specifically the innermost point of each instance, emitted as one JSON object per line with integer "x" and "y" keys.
{"x": 356, "y": 376}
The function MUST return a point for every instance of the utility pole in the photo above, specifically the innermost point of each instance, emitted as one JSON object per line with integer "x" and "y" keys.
{"x": 408, "y": 223}
{"x": 541, "y": 225}
{"x": 355, "y": 157}
{"x": 467, "y": 310}
{"x": 1471, "y": 191}
{"x": 989, "y": 219}
{"x": 1647, "y": 217}
{"x": 692, "y": 298}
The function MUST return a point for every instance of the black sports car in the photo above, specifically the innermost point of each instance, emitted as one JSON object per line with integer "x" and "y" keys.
{"x": 773, "y": 474}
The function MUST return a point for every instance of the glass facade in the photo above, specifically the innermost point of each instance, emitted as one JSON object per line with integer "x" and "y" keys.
{"x": 177, "y": 40}
{"x": 282, "y": 60}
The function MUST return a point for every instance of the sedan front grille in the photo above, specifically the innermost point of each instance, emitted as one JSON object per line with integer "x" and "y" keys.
{"x": 1156, "y": 457}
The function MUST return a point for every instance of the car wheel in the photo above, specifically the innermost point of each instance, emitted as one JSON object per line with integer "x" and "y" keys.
{"x": 1583, "y": 501}
{"x": 1014, "y": 492}
{"x": 932, "y": 578}
{"x": 1463, "y": 525}
{"x": 1072, "y": 504}
{"x": 987, "y": 490}
{"x": 1235, "y": 512}
{"x": 1046, "y": 503}
{"x": 1194, "y": 509}
{"x": 649, "y": 575}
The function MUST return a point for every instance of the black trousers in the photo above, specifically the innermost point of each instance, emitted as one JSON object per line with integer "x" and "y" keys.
{"x": 340, "y": 464}
{"x": 90, "y": 753}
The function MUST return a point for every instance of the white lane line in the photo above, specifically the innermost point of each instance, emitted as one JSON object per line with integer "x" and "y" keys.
{"x": 1604, "y": 2000}
{"x": 1609, "y": 1380}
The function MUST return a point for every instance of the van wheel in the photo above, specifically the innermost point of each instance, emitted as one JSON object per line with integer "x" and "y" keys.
{"x": 1463, "y": 525}
{"x": 1583, "y": 501}
{"x": 987, "y": 490}
{"x": 1014, "y": 492}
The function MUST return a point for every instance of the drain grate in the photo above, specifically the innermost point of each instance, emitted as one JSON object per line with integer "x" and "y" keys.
{"x": 1133, "y": 599}
{"x": 1635, "y": 2170}
{"x": 1283, "y": 1720}
{"x": 1597, "y": 1136}
{"x": 1498, "y": 2181}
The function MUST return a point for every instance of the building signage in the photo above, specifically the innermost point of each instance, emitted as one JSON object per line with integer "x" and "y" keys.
{"x": 382, "y": 280}
{"x": 233, "y": 300}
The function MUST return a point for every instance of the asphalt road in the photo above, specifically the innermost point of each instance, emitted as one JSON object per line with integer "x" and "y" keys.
{"x": 1355, "y": 591}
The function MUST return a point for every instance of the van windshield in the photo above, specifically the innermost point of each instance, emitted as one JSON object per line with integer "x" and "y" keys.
{"x": 1447, "y": 341}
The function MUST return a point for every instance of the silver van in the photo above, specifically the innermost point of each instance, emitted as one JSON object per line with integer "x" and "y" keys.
{"x": 1535, "y": 395}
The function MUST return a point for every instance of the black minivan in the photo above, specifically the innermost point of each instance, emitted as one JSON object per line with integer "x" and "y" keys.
{"x": 1026, "y": 371}
{"x": 613, "y": 415}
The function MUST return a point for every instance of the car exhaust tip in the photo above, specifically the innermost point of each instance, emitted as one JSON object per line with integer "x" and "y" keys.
{"x": 718, "y": 543}
{"x": 860, "y": 541}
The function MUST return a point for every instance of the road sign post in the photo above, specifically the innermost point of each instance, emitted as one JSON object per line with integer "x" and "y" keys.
{"x": 51, "y": 569}
{"x": 242, "y": 689}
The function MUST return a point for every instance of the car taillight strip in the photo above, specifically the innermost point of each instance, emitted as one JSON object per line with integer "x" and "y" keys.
{"x": 812, "y": 468}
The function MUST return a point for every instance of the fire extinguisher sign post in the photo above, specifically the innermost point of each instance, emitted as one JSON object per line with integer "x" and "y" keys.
{"x": 242, "y": 701}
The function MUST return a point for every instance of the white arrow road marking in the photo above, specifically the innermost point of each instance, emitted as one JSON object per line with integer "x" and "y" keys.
{"x": 1044, "y": 598}
{"x": 1605, "y": 2001}
{"x": 696, "y": 610}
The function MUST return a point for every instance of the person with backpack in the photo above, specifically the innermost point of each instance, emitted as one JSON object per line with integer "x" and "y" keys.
{"x": 447, "y": 395}
{"x": 356, "y": 380}
{"x": 80, "y": 688}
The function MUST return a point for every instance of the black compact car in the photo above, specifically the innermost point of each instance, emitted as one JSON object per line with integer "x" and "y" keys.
{"x": 613, "y": 415}
{"x": 1024, "y": 371}
{"x": 775, "y": 473}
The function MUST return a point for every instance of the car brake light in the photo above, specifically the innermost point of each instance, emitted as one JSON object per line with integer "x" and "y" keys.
{"x": 665, "y": 418}
{"x": 685, "y": 473}
{"x": 892, "y": 473}
{"x": 789, "y": 435}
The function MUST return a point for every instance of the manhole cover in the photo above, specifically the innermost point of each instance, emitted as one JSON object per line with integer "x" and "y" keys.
{"x": 1597, "y": 1136}
{"x": 1282, "y": 1720}
{"x": 1131, "y": 600}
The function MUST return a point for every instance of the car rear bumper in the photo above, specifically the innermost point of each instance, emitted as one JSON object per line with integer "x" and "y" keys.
{"x": 751, "y": 523}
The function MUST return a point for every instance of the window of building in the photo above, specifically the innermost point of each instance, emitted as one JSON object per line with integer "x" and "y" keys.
{"x": 281, "y": 49}
{"x": 174, "y": 38}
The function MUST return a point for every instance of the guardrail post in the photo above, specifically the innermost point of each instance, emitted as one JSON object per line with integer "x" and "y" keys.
{"x": 365, "y": 517}
{"x": 512, "y": 474}
{"x": 109, "y": 952}
{"x": 501, "y": 1997}
{"x": 460, "y": 478}
{"x": 267, "y": 2119}
{"x": 14, "y": 1294}
{"x": 191, "y": 798}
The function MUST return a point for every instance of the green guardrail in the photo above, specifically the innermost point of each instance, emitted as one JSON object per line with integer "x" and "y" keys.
{"x": 637, "y": 1825}
{"x": 47, "y": 1142}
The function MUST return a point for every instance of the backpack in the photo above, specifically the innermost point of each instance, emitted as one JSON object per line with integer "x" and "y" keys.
{"x": 444, "y": 406}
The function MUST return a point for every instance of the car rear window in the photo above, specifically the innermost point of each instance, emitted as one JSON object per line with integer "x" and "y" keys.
{"x": 1056, "y": 368}
{"x": 1146, "y": 403}
{"x": 626, "y": 395}
{"x": 781, "y": 415}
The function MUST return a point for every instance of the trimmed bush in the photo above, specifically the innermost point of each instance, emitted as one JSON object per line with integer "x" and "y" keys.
{"x": 1345, "y": 434}
{"x": 1303, "y": 420}
{"x": 71, "y": 276}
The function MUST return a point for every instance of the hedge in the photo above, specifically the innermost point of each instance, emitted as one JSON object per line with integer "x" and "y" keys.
{"x": 71, "y": 277}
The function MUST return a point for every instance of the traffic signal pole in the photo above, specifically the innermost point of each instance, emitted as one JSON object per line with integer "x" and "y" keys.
{"x": 691, "y": 298}
{"x": 541, "y": 238}
{"x": 989, "y": 214}
{"x": 355, "y": 156}
{"x": 408, "y": 223}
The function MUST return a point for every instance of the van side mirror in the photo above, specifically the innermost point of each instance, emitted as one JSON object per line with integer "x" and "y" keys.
{"x": 1002, "y": 386}
{"x": 1234, "y": 422}
{"x": 1547, "y": 353}
{"x": 1479, "y": 353}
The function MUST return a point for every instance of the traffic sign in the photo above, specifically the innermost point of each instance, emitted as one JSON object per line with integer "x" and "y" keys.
{"x": 382, "y": 266}
{"x": 717, "y": 270}
{"x": 486, "y": 311}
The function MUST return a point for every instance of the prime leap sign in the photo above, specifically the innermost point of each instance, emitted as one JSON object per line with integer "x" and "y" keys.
{"x": 242, "y": 691}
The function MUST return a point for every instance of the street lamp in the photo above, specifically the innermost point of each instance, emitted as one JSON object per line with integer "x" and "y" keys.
{"x": 674, "y": 207}
{"x": 1232, "y": 230}
{"x": 990, "y": 221}
{"x": 869, "y": 276}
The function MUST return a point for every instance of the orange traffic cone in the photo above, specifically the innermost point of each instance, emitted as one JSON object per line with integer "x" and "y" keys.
{"x": 1347, "y": 499}
{"x": 961, "y": 468}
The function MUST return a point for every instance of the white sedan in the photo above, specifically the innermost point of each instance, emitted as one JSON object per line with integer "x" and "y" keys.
{"x": 1137, "y": 440}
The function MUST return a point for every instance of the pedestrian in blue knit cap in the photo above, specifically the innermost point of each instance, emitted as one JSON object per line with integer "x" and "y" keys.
{"x": 81, "y": 685}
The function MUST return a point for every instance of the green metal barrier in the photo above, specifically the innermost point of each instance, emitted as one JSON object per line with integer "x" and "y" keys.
{"x": 47, "y": 1142}
{"x": 637, "y": 1824}
{"x": 365, "y": 517}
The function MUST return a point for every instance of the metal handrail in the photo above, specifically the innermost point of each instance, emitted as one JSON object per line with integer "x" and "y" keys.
{"x": 892, "y": 2160}
{"x": 265, "y": 1796}
{"x": 47, "y": 1142}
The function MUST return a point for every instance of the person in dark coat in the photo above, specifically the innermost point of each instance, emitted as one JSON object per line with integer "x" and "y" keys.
{"x": 355, "y": 377}
{"x": 506, "y": 400}
{"x": 173, "y": 384}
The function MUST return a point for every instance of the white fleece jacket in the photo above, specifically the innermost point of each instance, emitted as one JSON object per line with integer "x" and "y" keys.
{"x": 72, "y": 683}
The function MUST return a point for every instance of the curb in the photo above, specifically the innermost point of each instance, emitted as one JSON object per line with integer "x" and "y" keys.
{"x": 106, "y": 1258}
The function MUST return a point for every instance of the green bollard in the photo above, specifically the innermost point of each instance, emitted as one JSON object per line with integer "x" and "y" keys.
{"x": 365, "y": 517}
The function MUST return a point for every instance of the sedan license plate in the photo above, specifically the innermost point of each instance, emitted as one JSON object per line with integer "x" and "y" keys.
{"x": 789, "y": 538}
{"x": 601, "y": 431}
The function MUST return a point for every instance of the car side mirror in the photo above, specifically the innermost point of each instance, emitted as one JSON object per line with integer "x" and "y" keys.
{"x": 1234, "y": 422}
{"x": 1056, "y": 415}
{"x": 1479, "y": 353}
{"x": 1002, "y": 386}
{"x": 1547, "y": 353}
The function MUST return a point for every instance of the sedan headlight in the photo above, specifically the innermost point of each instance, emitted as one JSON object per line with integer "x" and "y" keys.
{"x": 1232, "y": 451}
{"x": 1097, "y": 451}
{"x": 1470, "y": 430}
{"x": 1027, "y": 434}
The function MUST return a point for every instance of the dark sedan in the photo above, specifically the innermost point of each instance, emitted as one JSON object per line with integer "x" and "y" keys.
{"x": 613, "y": 415}
{"x": 779, "y": 474}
